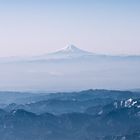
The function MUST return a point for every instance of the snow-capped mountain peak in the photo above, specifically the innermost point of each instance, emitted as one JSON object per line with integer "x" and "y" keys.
{"x": 70, "y": 51}
{"x": 71, "y": 48}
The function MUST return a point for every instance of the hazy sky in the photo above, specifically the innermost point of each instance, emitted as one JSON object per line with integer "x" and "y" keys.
{"x": 30, "y": 27}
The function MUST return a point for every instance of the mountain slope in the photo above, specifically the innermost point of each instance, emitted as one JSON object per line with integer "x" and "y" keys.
{"x": 70, "y": 51}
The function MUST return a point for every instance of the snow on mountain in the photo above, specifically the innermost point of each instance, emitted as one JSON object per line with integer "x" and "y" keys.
{"x": 127, "y": 103}
{"x": 70, "y": 51}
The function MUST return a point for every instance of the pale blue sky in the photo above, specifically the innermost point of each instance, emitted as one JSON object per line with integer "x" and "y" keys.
{"x": 32, "y": 27}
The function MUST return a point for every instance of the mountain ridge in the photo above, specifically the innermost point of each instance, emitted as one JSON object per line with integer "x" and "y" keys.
{"x": 70, "y": 51}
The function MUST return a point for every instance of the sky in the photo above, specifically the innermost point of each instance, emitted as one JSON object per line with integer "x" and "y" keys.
{"x": 33, "y": 27}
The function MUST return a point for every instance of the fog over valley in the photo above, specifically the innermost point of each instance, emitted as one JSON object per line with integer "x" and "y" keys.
{"x": 70, "y": 69}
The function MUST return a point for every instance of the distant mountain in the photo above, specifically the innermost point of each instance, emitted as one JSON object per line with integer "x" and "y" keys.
{"x": 70, "y": 69}
{"x": 68, "y": 52}
{"x": 71, "y": 51}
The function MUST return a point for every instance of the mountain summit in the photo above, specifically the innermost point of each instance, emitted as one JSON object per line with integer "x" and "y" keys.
{"x": 72, "y": 49}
